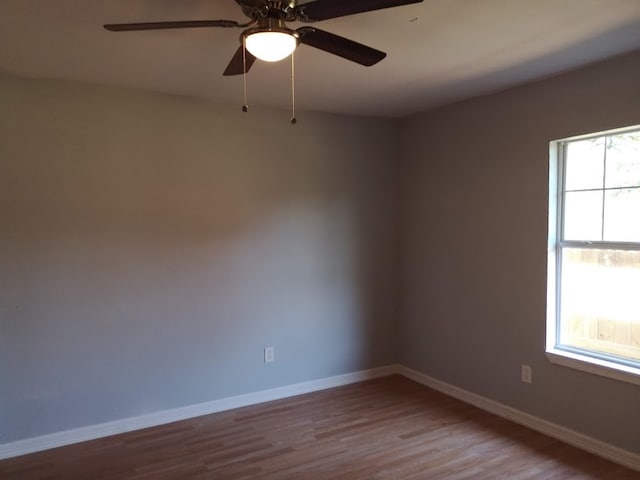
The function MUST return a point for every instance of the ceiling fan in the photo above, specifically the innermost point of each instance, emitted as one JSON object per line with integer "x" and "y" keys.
{"x": 266, "y": 35}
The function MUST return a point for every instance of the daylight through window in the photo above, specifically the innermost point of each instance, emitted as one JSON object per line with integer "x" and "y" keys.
{"x": 595, "y": 250}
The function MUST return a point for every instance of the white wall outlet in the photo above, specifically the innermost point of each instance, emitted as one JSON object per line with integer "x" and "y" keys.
{"x": 268, "y": 355}
{"x": 526, "y": 373}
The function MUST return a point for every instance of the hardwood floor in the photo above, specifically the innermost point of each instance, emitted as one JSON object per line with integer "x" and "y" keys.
{"x": 390, "y": 428}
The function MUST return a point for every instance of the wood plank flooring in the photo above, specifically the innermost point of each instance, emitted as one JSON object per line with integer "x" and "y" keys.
{"x": 390, "y": 428}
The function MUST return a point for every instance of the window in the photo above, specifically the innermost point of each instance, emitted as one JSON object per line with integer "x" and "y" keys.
{"x": 594, "y": 254}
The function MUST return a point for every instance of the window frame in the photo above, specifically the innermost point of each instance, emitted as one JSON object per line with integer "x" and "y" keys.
{"x": 574, "y": 357}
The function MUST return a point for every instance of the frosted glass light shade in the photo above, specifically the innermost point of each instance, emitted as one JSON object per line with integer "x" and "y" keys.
{"x": 271, "y": 46}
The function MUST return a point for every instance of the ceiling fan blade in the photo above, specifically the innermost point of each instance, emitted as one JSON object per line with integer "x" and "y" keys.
{"x": 128, "y": 27}
{"x": 326, "y": 9}
{"x": 236, "y": 65}
{"x": 343, "y": 47}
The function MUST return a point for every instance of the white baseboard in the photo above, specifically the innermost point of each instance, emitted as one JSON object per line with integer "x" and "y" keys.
{"x": 584, "y": 442}
{"x": 91, "y": 432}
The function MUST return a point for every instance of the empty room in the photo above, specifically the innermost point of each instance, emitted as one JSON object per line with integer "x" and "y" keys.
{"x": 324, "y": 239}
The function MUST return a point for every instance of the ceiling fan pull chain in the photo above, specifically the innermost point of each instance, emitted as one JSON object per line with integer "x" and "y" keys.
{"x": 245, "y": 107}
{"x": 294, "y": 120}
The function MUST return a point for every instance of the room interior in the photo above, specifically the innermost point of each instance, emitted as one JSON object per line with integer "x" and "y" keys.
{"x": 154, "y": 238}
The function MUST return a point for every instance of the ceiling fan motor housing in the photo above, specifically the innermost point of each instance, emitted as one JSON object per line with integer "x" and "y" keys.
{"x": 258, "y": 9}
{"x": 270, "y": 24}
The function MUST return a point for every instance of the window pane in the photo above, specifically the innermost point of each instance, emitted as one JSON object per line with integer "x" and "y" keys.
{"x": 622, "y": 215}
{"x": 600, "y": 307}
{"x": 623, "y": 160}
{"x": 585, "y": 164}
{"x": 583, "y": 215}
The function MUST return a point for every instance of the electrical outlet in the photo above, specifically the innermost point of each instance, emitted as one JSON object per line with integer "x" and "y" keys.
{"x": 526, "y": 373}
{"x": 268, "y": 355}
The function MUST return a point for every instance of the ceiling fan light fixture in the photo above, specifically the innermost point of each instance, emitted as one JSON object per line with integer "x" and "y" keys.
{"x": 271, "y": 45}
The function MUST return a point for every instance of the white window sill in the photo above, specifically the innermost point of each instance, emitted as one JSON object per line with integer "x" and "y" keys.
{"x": 594, "y": 365}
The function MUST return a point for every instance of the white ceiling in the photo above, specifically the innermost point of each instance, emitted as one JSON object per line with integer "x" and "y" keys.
{"x": 439, "y": 51}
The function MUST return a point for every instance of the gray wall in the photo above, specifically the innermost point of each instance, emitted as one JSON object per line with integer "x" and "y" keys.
{"x": 474, "y": 204}
{"x": 151, "y": 246}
